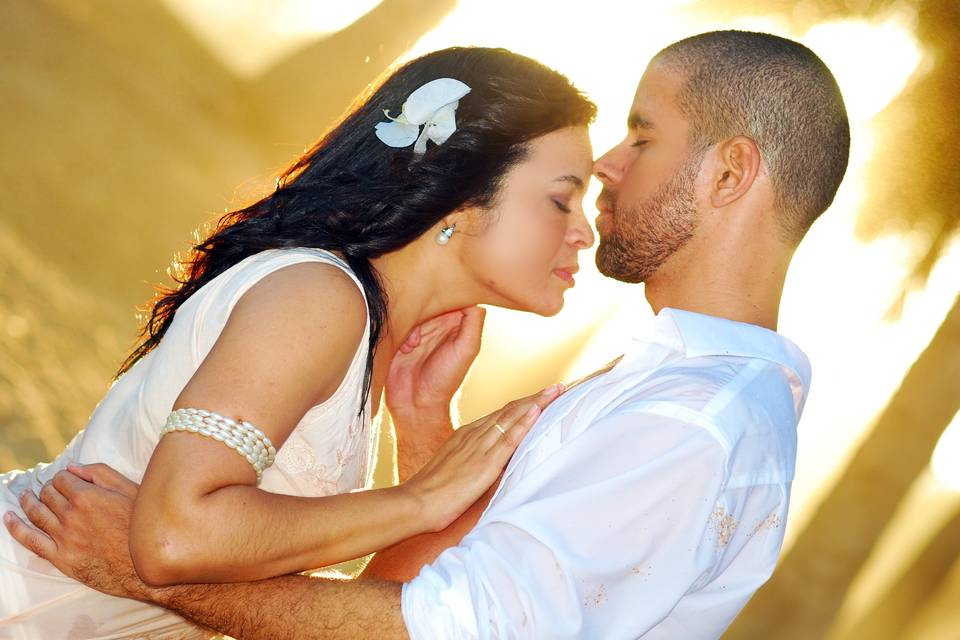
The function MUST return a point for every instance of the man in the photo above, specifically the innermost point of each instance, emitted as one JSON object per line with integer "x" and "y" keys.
{"x": 649, "y": 500}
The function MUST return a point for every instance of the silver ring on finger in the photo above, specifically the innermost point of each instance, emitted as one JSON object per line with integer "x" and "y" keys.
{"x": 499, "y": 428}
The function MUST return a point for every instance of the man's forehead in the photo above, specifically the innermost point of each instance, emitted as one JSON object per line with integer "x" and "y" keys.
{"x": 642, "y": 114}
{"x": 654, "y": 99}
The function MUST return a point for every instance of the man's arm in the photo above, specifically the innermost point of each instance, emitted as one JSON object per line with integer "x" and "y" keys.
{"x": 83, "y": 531}
{"x": 403, "y": 561}
{"x": 292, "y": 607}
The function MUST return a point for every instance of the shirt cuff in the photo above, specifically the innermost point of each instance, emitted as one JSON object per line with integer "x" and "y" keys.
{"x": 436, "y": 603}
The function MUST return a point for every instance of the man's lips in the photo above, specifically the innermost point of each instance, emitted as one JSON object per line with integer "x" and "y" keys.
{"x": 603, "y": 218}
{"x": 604, "y": 205}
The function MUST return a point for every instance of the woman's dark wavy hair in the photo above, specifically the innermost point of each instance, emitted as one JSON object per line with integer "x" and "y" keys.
{"x": 353, "y": 194}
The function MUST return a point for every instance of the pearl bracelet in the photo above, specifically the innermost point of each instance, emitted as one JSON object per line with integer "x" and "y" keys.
{"x": 244, "y": 438}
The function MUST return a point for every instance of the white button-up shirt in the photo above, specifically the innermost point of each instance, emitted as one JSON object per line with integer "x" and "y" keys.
{"x": 649, "y": 501}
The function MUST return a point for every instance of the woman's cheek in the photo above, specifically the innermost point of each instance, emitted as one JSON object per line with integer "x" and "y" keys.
{"x": 502, "y": 260}
{"x": 544, "y": 232}
{"x": 522, "y": 247}
{"x": 536, "y": 254}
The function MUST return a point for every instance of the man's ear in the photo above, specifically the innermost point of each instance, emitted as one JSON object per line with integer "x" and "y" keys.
{"x": 736, "y": 169}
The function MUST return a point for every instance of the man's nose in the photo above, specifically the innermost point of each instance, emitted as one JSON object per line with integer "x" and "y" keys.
{"x": 608, "y": 168}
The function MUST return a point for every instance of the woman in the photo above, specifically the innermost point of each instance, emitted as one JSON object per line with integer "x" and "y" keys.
{"x": 457, "y": 182}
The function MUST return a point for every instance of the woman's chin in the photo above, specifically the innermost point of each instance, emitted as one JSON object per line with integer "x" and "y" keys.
{"x": 549, "y": 307}
{"x": 543, "y": 303}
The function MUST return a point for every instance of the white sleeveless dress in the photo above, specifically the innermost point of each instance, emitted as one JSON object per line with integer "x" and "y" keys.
{"x": 331, "y": 450}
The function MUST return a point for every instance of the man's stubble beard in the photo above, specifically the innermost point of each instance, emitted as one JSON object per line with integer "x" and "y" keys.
{"x": 645, "y": 235}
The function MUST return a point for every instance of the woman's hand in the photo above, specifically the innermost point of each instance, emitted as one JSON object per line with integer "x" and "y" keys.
{"x": 431, "y": 364}
{"x": 472, "y": 459}
{"x": 83, "y": 520}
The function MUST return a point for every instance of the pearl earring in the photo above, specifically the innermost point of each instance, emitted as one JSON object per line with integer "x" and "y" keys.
{"x": 444, "y": 236}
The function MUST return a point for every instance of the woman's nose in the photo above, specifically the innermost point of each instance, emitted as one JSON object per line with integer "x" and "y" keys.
{"x": 581, "y": 233}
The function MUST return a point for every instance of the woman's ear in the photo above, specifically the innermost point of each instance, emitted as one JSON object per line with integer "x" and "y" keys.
{"x": 470, "y": 221}
{"x": 737, "y": 167}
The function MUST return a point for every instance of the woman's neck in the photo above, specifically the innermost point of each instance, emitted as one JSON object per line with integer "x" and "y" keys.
{"x": 420, "y": 283}
{"x": 417, "y": 287}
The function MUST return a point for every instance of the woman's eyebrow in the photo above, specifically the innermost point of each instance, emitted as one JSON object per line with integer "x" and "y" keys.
{"x": 576, "y": 180}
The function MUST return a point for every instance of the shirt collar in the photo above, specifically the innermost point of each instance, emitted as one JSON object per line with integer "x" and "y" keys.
{"x": 705, "y": 335}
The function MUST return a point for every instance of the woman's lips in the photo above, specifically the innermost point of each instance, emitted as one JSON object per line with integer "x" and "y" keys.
{"x": 566, "y": 275}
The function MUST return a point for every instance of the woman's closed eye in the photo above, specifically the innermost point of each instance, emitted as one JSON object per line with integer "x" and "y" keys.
{"x": 640, "y": 143}
{"x": 561, "y": 205}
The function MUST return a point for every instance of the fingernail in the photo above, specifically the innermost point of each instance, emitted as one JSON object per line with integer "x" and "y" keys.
{"x": 531, "y": 413}
{"x": 8, "y": 517}
{"x": 549, "y": 390}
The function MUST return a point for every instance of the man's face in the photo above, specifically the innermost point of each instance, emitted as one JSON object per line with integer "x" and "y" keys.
{"x": 648, "y": 209}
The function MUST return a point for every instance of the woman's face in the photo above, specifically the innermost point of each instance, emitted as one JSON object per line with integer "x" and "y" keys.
{"x": 523, "y": 252}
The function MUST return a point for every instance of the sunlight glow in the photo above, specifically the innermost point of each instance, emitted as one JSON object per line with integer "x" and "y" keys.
{"x": 251, "y": 35}
{"x": 945, "y": 461}
{"x": 871, "y": 61}
{"x": 839, "y": 288}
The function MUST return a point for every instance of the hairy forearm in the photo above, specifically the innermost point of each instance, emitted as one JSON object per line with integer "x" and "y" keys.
{"x": 420, "y": 434}
{"x": 232, "y": 534}
{"x": 291, "y": 607}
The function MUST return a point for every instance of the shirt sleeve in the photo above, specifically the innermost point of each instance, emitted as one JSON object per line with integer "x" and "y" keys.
{"x": 601, "y": 539}
{"x": 747, "y": 529}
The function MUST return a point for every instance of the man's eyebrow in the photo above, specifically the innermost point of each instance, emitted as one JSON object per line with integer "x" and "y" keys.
{"x": 637, "y": 121}
{"x": 576, "y": 180}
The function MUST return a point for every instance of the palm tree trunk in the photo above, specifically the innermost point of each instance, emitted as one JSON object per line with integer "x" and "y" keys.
{"x": 887, "y": 619}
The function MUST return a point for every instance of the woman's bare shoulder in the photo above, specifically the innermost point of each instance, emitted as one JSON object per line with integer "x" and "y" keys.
{"x": 297, "y": 328}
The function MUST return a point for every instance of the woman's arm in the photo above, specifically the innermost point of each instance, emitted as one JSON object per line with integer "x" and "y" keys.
{"x": 198, "y": 516}
{"x": 286, "y": 346}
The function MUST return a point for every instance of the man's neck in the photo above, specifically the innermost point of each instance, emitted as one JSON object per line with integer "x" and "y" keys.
{"x": 742, "y": 290}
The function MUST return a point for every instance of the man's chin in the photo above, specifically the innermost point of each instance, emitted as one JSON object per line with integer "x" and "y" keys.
{"x": 621, "y": 277}
{"x": 615, "y": 269}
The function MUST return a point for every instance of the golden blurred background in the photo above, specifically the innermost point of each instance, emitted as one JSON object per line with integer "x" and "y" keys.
{"x": 128, "y": 124}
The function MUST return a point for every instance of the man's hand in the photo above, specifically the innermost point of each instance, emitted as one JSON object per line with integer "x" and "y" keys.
{"x": 83, "y": 520}
{"x": 83, "y": 516}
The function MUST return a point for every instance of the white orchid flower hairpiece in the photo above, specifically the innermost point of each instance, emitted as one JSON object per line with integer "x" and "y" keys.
{"x": 432, "y": 106}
